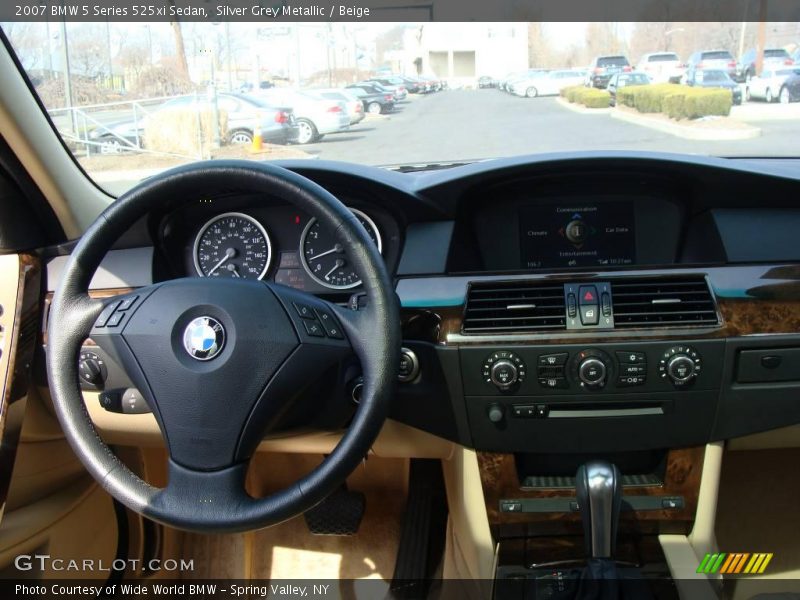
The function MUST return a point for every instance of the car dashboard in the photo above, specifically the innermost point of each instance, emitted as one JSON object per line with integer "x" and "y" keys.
{"x": 629, "y": 305}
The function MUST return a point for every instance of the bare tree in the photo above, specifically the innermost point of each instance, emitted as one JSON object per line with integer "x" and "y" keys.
{"x": 180, "y": 50}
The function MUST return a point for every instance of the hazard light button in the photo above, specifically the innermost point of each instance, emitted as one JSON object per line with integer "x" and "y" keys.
{"x": 589, "y": 304}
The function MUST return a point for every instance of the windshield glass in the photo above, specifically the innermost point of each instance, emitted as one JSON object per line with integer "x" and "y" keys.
{"x": 130, "y": 99}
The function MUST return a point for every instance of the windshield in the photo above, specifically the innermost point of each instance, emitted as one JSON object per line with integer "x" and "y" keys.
{"x": 429, "y": 93}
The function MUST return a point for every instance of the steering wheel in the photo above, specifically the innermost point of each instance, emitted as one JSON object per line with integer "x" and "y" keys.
{"x": 219, "y": 361}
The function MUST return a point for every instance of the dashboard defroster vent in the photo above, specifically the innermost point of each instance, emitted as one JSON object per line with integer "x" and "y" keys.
{"x": 513, "y": 306}
{"x": 663, "y": 302}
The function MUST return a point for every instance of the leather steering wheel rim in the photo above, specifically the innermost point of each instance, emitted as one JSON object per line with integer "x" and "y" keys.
{"x": 201, "y": 500}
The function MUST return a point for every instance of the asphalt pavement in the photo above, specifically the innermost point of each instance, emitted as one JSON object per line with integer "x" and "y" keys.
{"x": 456, "y": 125}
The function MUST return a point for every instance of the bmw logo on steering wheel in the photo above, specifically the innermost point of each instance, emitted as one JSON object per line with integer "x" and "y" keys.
{"x": 204, "y": 338}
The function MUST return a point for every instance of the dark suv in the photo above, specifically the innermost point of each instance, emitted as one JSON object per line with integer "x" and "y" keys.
{"x": 603, "y": 67}
{"x": 719, "y": 60}
{"x": 775, "y": 58}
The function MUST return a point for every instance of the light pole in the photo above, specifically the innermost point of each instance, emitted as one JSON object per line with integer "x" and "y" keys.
{"x": 67, "y": 81}
{"x": 212, "y": 96}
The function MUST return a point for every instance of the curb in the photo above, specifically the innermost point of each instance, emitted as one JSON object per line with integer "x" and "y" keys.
{"x": 687, "y": 131}
{"x": 582, "y": 110}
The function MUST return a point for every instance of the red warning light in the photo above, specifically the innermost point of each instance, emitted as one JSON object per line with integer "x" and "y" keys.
{"x": 588, "y": 296}
{"x": 297, "y": 219}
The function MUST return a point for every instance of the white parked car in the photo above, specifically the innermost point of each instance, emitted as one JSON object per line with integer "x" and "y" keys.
{"x": 548, "y": 83}
{"x": 315, "y": 115}
{"x": 661, "y": 67}
{"x": 355, "y": 108}
{"x": 769, "y": 84}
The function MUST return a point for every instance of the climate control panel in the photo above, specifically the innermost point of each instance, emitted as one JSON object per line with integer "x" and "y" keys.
{"x": 602, "y": 369}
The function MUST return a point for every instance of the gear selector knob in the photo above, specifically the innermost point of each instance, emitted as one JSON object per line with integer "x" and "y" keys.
{"x": 598, "y": 486}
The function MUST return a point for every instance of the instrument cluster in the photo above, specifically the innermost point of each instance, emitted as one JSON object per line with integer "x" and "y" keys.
{"x": 271, "y": 243}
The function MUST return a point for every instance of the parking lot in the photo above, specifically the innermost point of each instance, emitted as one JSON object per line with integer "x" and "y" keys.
{"x": 475, "y": 124}
{"x": 464, "y": 125}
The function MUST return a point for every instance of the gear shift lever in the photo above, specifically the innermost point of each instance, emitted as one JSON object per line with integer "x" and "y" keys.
{"x": 598, "y": 486}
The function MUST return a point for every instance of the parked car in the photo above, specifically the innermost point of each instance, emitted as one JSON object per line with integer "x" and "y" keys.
{"x": 503, "y": 83}
{"x": 413, "y": 85}
{"x": 774, "y": 58}
{"x": 521, "y": 76}
{"x": 603, "y": 67}
{"x": 355, "y": 108}
{"x": 316, "y": 116}
{"x": 486, "y": 82}
{"x": 720, "y": 60}
{"x": 376, "y": 98}
{"x": 547, "y": 83}
{"x": 277, "y": 125}
{"x": 769, "y": 84}
{"x": 661, "y": 67}
{"x": 790, "y": 92}
{"x": 621, "y": 80}
{"x": 716, "y": 78}
{"x": 118, "y": 137}
{"x": 248, "y": 87}
{"x": 394, "y": 84}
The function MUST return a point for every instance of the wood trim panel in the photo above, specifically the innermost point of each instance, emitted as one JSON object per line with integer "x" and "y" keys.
{"x": 682, "y": 478}
{"x": 751, "y": 300}
{"x": 20, "y": 284}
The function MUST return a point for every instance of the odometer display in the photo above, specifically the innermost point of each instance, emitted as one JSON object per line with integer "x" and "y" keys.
{"x": 232, "y": 245}
{"x": 324, "y": 257}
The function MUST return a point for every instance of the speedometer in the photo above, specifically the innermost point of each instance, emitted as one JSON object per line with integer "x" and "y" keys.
{"x": 324, "y": 257}
{"x": 232, "y": 245}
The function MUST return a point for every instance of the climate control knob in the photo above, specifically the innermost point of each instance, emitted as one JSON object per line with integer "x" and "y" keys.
{"x": 591, "y": 368}
{"x": 680, "y": 364}
{"x": 504, "y": 373}
{"x": 504, "y": 369}
{"x": 592, "y": 372}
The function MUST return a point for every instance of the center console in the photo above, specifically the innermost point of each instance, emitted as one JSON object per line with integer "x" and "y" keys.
{"x": 583, "y": 398}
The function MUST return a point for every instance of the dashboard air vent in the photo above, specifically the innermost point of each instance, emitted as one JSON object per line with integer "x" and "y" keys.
{"x": 513, "y": 306}
{"x": 663, "y": 302}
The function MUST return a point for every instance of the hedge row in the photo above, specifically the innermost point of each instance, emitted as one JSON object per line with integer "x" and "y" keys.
{"x": 677, "y": 101}
{"x": 589, "y": 97}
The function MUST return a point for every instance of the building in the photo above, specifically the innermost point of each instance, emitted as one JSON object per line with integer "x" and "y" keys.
{"x": 462, "y": 52}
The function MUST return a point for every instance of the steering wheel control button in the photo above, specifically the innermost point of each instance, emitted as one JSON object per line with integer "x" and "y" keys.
{"x": 332, "y": 328}
{"x": 681, "y": 365}
{"x": 504, "y": 369}
{"x": 304, "y": 310}
{"x": 92, "y": 370}
{"x": 115, "y": 320}
{"x": 133, "y": 402}
{"x": 111, "y": 400}
{"x": 204, "y": 338}
{"x": 314, "y": 329}
{"x": 409, "y": 366}
{"x": 126, "y": 303}
{"x": 106, "y": 313}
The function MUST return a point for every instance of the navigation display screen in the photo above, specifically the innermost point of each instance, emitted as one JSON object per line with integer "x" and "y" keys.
{"x": 577, "y": 235}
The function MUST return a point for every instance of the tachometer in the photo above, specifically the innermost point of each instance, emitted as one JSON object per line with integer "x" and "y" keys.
{"x": 324, "y": 257}
{"x": 232, "y": 245}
